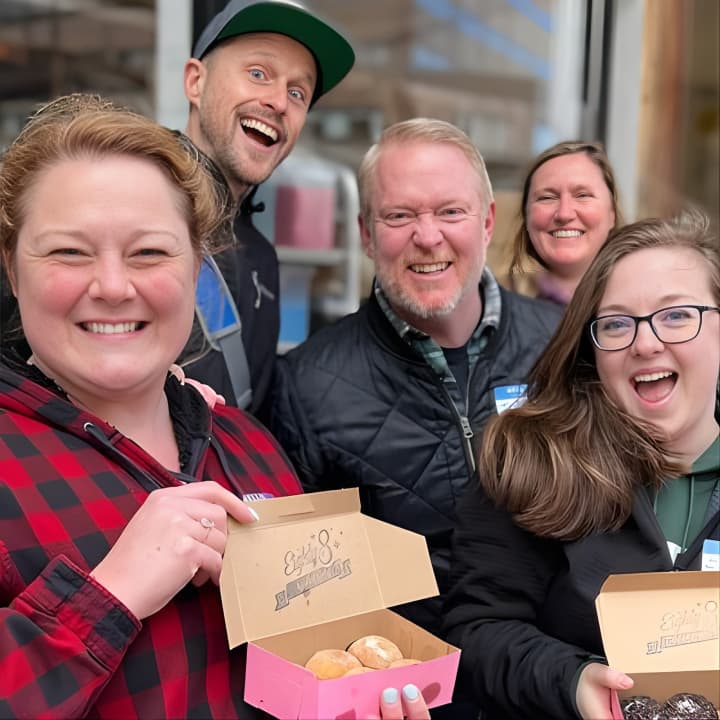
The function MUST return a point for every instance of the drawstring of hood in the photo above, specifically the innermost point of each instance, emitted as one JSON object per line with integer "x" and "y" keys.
{"x": 145, "y": 481}
{"x": 683, "y": 545}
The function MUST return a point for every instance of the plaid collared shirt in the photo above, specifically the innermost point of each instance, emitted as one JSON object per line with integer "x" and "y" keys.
{"x": 433, "y": 353}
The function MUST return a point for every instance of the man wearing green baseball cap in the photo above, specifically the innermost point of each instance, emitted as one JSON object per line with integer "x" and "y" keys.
{"x": 255, "y": 71}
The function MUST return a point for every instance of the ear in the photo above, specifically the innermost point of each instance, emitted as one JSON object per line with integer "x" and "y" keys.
{"x": 366, "y": 238}
{"x": 194, "y": 80}
{"x": 489, "y": 224}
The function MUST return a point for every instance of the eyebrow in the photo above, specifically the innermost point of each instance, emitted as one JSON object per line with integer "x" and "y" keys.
{"x": 663, "y": 302}
{"x": 553, "y": 188}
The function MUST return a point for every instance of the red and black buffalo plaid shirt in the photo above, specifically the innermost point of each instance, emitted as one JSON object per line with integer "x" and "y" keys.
{"x": 69, "y": 483}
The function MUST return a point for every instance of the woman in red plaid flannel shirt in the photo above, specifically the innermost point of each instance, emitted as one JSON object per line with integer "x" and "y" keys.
{"x": 116, "y": 480}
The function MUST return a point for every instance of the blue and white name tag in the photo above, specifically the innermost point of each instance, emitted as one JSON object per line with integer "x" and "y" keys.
{"x": 509, "y": 396}
{"x": 253, "y": 497}
{"x": 711, "y": 555}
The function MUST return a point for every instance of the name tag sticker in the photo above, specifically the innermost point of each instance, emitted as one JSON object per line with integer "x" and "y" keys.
{"x": 509, "y": 396}
{"x": 711, "y": 555}
{"x": 254, "y": 497}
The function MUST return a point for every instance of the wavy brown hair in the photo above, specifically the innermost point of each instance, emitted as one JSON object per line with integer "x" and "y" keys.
{"x": 522, "y": 247}
{"x": 568, "y": 462}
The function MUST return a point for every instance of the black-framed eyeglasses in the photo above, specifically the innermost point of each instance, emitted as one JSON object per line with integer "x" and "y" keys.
{"x": 672, "y": 325}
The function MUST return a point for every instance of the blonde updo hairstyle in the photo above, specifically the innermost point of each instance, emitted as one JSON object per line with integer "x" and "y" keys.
{"x": 87, "y": 126}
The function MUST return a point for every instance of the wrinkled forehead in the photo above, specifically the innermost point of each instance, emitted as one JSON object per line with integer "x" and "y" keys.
{"x": 430, "y": 173}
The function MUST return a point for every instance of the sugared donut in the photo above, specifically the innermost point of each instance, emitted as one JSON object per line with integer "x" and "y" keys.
{"x": 329, "y": 664}
{"x": 375, "y": 651}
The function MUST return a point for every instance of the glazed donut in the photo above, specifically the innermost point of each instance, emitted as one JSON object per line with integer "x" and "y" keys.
{"x": 375, "y": 651}
{"x": 358, "y": 670}
{"x": 329, "y": 664}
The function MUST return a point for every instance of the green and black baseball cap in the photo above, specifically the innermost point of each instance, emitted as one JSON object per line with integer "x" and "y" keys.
{"x": 332, "y": 52}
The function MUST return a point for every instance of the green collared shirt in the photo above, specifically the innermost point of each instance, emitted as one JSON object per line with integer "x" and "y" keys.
{"x": 433, "y": 353}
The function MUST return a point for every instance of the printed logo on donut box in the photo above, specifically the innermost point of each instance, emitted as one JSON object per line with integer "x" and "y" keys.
{"x": 661, "y": 628}
{"x": 316, "y": 562}
{"x": 686, "y": 626}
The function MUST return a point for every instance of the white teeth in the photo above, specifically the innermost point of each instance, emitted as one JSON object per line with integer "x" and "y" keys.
{"x": 651, "y": 377}
{"x": 111, "y": 328}
{"x": 566, "y": 233}
{"x": 435, "y": 267}
{"x": 260, "y": 127}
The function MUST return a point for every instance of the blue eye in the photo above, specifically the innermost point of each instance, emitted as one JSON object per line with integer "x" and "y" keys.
{"x": 615, "y": 324}
{"x": 452, "y": 213}
{"x": 676, "y": 316}
{"x": 397, "y": 218}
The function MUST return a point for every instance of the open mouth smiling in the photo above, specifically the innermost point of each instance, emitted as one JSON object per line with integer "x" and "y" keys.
{"x": 259, "y": 131}
{"x": 655, "y": 386}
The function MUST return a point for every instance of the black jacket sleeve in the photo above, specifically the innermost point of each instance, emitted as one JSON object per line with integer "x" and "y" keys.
{"x": 499, "y": 581}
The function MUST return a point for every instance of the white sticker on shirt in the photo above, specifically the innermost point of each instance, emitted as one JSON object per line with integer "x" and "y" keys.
{"x": 711, "y": 555}
{"x": 509, "y": 396}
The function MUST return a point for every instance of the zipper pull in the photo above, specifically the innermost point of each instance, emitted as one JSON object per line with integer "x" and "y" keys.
{"x": 468, "y": 435}
{"x": 260, "y": 289}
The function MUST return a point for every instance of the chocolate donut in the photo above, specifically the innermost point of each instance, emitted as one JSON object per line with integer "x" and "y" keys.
{"x": 640, "y": 707}
{"x": 687, "y": 706}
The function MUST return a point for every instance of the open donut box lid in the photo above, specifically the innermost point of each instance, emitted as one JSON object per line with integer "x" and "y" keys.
{"x": 314, "y": 558}
{"x": 314, "y": 573}
{"x": 662, "y": 629}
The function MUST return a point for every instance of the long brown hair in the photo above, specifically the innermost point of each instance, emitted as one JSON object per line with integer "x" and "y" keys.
{"x": 522, "y": 247}
{"x": 567, "y": 463}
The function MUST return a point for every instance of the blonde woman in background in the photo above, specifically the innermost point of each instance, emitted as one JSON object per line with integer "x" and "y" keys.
{"x": 569, "y": 205}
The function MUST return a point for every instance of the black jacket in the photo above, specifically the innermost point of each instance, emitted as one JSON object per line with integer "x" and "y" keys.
{"x": 250, "y": 269}
{"x": 523, "y": 608}
{"x": 355, "y": 406}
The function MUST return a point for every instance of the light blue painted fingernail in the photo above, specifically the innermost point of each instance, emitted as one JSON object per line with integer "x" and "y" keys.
{"x": 410, "y": 692}
{"x": 390, "y": 695}
{"x": 253, "y": 513}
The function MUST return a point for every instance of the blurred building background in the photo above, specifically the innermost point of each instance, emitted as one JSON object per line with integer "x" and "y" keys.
{"x": 642, "y": 76}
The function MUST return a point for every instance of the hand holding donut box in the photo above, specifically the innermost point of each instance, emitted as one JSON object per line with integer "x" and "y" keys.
{"x": 315, "y": 574}
{"x": 663, "y": 629}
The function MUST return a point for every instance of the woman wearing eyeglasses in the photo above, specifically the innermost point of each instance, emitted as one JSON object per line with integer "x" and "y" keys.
{"x": 612, "y": 466}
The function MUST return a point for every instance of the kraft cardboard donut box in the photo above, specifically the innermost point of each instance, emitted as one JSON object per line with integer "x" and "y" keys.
{"x": 315, "y": 573}
{"x": 663, "y": 629}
